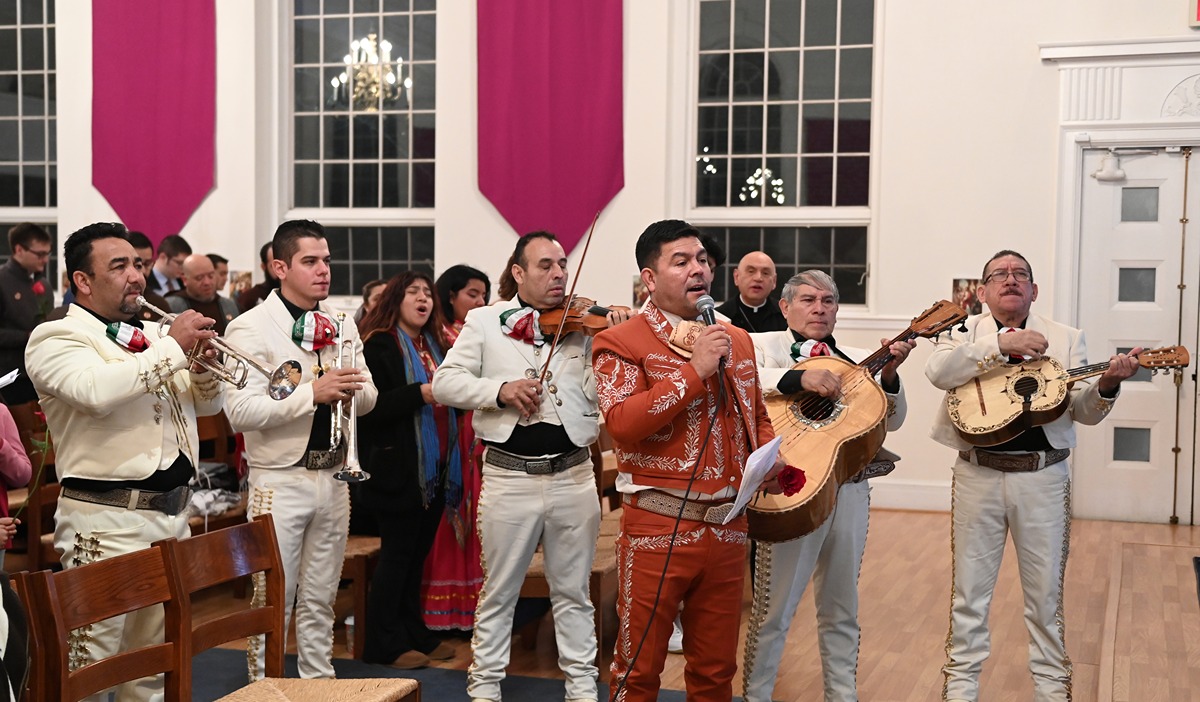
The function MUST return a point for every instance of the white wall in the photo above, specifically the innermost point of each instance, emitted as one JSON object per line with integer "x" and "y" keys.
{"x": 225, "y": 222}
{"x": 967, "y": 164}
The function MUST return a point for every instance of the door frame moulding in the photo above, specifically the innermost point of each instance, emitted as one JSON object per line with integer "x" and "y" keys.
{"x": 1107, "y": 93}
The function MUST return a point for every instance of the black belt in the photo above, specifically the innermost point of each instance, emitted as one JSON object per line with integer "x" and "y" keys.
{"x": 1016, "y": 462}
{"x": 321, "y": 460}
{"x": 171, "y": 502}
{"x": 534, "y": 466}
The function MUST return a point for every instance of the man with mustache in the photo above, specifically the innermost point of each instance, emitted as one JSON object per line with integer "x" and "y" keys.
{"x": 684, "y": 407}
{"x": 121, "y": 403}
{"x": 538, "y": 484}
{"x": 292, "y": 464}
{"x": 1022, "y": 486}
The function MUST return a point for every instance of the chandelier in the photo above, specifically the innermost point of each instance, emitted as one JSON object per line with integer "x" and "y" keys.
{"x": 371, "y": 79}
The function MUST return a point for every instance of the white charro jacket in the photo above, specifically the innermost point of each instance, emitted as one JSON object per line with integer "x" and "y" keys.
{"x": 484, "y": 358}
{"x": 773, "y": 351}
{"x": 100, "y": 399}
{"x": 964, "y": 355}
{"x": 277, "y": 430}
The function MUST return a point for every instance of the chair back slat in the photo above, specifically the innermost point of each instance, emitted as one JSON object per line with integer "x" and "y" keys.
{"x": 91, "y": 593}
{"x": 105, "y": 589}
{"x": 34, "y": 675}
{"x": 222, "y": 556}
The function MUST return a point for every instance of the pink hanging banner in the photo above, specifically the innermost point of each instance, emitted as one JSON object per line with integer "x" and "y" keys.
{"x": 550, "y": 111}
{"x": 154, "y": 82}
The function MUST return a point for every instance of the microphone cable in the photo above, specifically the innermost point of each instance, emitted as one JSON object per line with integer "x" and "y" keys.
{"x": 721, "y": 401}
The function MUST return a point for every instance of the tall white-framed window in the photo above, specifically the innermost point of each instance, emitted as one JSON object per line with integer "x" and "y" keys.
{"x": 362, "y": 125}
{"x": 780, "y": 145}
{"x": 28, "y": 154}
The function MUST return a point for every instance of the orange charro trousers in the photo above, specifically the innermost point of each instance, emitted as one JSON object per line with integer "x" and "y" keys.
{"x": 705, "y": 575}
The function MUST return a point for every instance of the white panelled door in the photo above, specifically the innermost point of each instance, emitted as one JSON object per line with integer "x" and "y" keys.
{"x": 1132, "y": 244}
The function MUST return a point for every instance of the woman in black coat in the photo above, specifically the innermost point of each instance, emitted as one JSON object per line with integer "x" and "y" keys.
{"x": 412, "y": 454}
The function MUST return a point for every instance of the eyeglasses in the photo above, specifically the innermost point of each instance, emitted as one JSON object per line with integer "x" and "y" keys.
{"x": 40, "y": 254}
{"x": 1019, "y": 274}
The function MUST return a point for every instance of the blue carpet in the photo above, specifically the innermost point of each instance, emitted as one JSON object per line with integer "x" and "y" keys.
{"x": 220, "y": 671}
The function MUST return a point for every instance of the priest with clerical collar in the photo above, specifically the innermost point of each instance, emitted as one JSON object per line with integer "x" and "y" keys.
{"x": 756, "y": 307}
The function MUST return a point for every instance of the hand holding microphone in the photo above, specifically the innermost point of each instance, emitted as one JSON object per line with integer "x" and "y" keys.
{"x": 713, "y": 345}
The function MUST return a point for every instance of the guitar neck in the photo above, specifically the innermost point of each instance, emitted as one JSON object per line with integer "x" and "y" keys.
{"x": 876, "y": 361}
{"x": 1089, "y": 371}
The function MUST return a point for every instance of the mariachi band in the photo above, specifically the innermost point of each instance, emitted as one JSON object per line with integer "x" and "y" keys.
{"x": 460, "y": 429}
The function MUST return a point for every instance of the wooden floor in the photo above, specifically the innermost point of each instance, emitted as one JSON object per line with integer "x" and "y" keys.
{"x": 1133, "y": 620}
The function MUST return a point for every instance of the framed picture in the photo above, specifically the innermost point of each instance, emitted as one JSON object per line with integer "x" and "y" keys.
{"x": 1194, "y": 13}
{"x": 963, "y": 293}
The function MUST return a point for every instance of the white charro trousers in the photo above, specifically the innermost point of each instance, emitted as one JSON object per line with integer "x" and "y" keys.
{"x": 831, "y": 556}
{"x": 86, "y": 532}
{"x": 516, "y": 512}
{"x": 311, "y": 511}
{"x": 1036, "y": 508}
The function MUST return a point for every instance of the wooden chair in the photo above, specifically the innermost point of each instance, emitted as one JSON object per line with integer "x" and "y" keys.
{"x": 76, "y": 597}
{"x": 229, "y": 554}
{"x": 215, "y": 428}
{"x": 33, "y": 687}
{"x": 39, "y": 525}
{"x": 357, "y": 565}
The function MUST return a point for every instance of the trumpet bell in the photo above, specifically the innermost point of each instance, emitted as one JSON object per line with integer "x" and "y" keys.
{"x": 284, "y": 380}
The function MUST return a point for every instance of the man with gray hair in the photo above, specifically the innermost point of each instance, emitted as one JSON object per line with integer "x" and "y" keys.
{"x": 834, "y": 551}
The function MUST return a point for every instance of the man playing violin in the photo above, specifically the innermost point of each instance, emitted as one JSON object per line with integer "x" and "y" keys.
{"x": 832, "y": 554}
{"x": 1022, "y": 486}
{"x": 536, "y": 414}
{"x": 121, "y": 403}
{"x": 682, "y": 403}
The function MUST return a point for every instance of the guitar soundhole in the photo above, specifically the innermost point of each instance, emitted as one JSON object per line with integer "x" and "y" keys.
{"x": 814, "y": 407}
{"x": 1026, "y": 387}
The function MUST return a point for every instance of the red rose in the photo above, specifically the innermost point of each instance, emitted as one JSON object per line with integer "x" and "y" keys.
{"x": 791, "y": 479}
{"x": 39, "y": 288}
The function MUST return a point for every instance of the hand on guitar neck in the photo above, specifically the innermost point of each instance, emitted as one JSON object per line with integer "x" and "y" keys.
{"x": 899, "y": 350}
{"x": 1121, "y": 367}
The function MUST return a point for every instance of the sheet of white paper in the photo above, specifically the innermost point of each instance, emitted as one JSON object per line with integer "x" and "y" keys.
{"x": 8, "y": 378}
{"x": 757, "y": 467}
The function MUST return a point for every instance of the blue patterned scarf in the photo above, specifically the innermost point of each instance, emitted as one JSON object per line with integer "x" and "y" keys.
{"x": 428, "y": 446}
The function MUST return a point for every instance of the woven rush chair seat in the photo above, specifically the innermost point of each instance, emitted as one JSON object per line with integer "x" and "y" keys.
{"x": 295, "y": 690}
{"x": 357, "y": 565}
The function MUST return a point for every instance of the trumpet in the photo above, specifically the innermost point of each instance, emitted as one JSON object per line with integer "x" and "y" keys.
{"x": 233, "y": 365}
{"x": 351, "y": 471}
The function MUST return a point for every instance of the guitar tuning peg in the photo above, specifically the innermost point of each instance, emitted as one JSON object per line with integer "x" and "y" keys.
{"x": 963, "y": 327}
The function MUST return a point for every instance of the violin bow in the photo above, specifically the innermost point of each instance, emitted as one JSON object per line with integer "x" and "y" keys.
{"x": 567, "y": 300}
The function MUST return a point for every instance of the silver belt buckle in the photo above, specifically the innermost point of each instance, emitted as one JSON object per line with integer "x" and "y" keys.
{"x": 717, "y": 514}
{"x": 539, "y": 467}
{"x": 320, "y": 460}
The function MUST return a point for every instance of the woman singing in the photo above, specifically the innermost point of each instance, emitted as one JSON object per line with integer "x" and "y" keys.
{"x": 413, "y": 457}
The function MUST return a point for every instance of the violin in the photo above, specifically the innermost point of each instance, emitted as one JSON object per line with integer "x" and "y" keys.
{"x": 582, "y": 315}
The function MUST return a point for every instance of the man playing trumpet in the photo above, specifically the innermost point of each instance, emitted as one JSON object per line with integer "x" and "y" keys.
{"x": 121, "y": 403}
{"x": 289, "y": 442}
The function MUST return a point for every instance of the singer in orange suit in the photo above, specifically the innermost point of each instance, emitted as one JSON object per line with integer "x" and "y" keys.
{"x": 683, "y": 405}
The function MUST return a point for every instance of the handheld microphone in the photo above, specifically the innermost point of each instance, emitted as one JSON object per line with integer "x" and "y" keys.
{"x": 706, "y": 306}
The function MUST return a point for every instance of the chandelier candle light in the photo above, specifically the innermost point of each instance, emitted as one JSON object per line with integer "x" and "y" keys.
{"x": 370, "y": 79}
